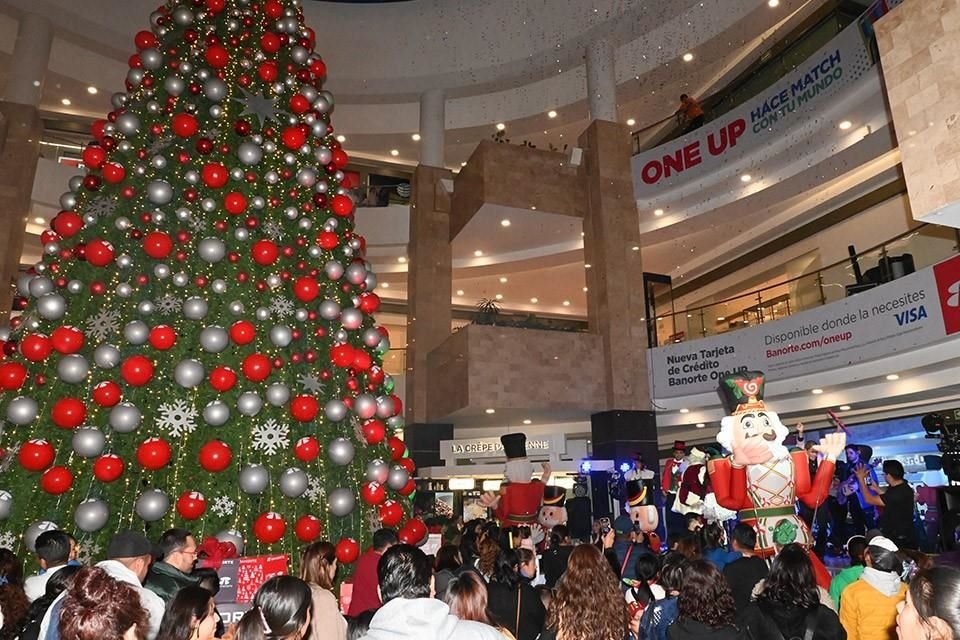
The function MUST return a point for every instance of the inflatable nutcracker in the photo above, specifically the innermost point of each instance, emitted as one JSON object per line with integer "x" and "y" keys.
{"x": 554, "y": 510}
{"x": 642, "y": 509}
{"x": 761, "y": 479}
{"x": 520, "y": 496}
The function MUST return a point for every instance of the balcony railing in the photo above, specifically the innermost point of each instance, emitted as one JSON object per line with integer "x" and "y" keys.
{"x": 895, "y": 258}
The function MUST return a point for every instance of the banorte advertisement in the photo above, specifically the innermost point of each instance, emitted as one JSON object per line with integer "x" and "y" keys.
{"x": 914, "y": 311}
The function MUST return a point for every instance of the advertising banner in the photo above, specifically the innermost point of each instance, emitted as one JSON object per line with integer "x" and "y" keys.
{"x": 794, "y": 99}
{"x": 911, "y": 312}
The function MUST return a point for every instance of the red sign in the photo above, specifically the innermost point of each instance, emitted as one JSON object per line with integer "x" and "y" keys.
{"x": 947, "y": 275}
{"x": 254, "y": 571}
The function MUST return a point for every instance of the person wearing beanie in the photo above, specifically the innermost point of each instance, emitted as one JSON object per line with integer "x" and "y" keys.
{"x": 868, "y": 610}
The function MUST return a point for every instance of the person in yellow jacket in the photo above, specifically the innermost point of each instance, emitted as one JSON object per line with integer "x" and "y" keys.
{"x": 868, "y": 610}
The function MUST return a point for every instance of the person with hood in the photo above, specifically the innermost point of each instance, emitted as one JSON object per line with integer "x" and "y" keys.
{"x": 868, "y": 610}
{"x": 409, "y": 611}
{"x": 790, "y": 603}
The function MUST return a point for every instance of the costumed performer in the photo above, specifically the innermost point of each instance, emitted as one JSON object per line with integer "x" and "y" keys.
{"x": 520, "y": 497}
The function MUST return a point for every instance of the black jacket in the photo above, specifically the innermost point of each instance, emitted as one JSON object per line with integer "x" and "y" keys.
{"x": 502, "y": 602}
{"x": 554, "y": 563}
{"x": 686, "y": 629}
{"x": 763, "y": 622}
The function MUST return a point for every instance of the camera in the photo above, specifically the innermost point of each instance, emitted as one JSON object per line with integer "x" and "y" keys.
{"x": 948, "y": 433}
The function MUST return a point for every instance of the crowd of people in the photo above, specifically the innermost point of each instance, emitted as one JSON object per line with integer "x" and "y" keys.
{"x": 492, "y": 583}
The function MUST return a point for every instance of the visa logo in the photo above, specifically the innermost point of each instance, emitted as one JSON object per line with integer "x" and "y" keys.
{"x": 911, "y": 315}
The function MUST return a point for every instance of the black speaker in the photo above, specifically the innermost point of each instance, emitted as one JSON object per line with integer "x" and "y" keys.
{"x": 580, "y": 518}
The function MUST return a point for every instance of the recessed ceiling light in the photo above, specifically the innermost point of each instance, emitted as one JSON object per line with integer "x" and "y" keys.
{"x": 688, "y": 57}
{"x": 504, "y": 223}
{"x": 893, "y": 377}
{"x": 92, "y": 90}
{"x": 700, "y": 425}
{"x": 503, "y": 280}
{"x": 746, "y": 177}
{"x": 478, "y": 253}
{"x": 501, "y": 126}
{"x": 635, "y": 248}
{"x": 39, "y": 220}
{"x": 463, "y": 164}
{"x": 402, "y": 260}
{"x": 587, "y": 266}
{"x": 528, "y": 421}
{"x": 385, "y": 285}
{"x": 846, "y": 124}
{"x": 684, "y": 410}
{"x": 721, "y": 319}
{"x": 773, "y": 4}
{"x": 394, "y": 152}
{"x": 534, "y": 300}
{"x": 658, "y": 212}
{"x": 491, "y": 411}
{"x": 499, "y": 296}
{"x": 631, "y": 122}
{"x": 66, "y": 102}
{"x": 459, "y": 292}
{"x": 551, "y": 114}
{"x": 845, "y": 407}
{"x": 533, "y": 207}
{"x": 585, "y": 289}
{"x": 416, "y": 137}
{"x": 341, "y": 138}
{"x": 566, "y": 303}
{"x": 816, "y": 392}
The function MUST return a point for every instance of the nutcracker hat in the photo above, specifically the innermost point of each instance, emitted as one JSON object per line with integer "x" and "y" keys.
{"x": 639, "y": 493}
{"x": 742, "y": 392}
{"x": 514, "y": 445}
{"x": 679, "y": 445}
{"x": 554, "y": 496}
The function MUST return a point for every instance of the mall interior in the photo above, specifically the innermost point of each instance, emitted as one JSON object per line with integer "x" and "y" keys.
{"x": 562, "y": 250}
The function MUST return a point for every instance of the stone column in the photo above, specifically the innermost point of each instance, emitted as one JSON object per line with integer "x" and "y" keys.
{"x": 20, "y": 133}
{"x": 601, "y": 81}
{"x": 432, "y": 125}
{"x": 429, "y": 282}
{"x": 615, "y": 306}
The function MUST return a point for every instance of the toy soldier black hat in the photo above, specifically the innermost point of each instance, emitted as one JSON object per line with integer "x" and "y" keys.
{"x": 514, "y": 445}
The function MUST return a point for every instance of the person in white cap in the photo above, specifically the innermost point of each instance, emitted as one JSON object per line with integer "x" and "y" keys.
{"x": 868, "y": 610}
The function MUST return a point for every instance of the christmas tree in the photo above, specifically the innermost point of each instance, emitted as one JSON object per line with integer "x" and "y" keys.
{"x": 198, "y": 348}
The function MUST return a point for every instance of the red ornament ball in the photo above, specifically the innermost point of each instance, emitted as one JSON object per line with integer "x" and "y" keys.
{"x": 113, "y": 172}
{"x": 374, "y": 432}
{"x": 56, "y": 480}
{"x": 269, "y": 527}
{"x": 397, "y": 448}
{"x": 270, "y": 42}
{"x": 342, "y": 205}
{"x": 391, "y": 513}
{"x": 340, "y": 158}
{"x": 35, "y": 347}
{"x": 36, "y": 455}
{"x": 348, "y": 550}
{"x": 67, "y": 339}
{"x": 373, "y": 493}
{"x": 409, "y": 488}
{"x": 342, "y": 355}
{"x": 99, "y": 253}
{"x": 256, "y": 367}
{"x": 214, "y": 175}
{"x": 68, "y": 413}
{"x": 185, "y": 125}
{"x": 243, "y": 332}
{"x": 12, "y": 375}
{"x": 408, "y": 464}
{"x": 153, "y": 454}
{"x": 162, "y": 337}
{"x": 307, "y": 528}
{"x": 306, "y": 289}
{"x": 328, "y": 240}
{"x": 217, "y": 56}
{"x": 299, "y": 103}
{"x": 293, "y": 137}
{"x": 144, "y": 40}
{"x": 191, "y": 505}
{"x": 235, "y": 203}
{"x": 93, "y": 156}
{"x": 304, "y": 408}
{"x": 67, "y": 224}
{"x": 107, "y": 393}
{"x": 216, "y": 6}
{"x": 307, "y": 449}
{"x": 137, "y": 370}
{"x": 108, "y": 467}
{"x": 264, "y": 252}
{"x": 223, "y": 379}
{"x": 157, "y": 244}
{"x": 273, "y": 9}
{"x": 215, "y": 456}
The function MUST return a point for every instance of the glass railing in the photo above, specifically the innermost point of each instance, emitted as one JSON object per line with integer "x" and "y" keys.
{"x": 895, "y": 258}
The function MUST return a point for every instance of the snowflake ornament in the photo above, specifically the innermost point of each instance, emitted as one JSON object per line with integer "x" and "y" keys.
{"x": 310, "y": 383}
{"x": 88, "y": 552}
{"x": 168, "y": 305}
{"x": 315, "y": 490}
{"x": 101, "y": 207}
{"x": 104, "y": 324}
{"x": 273, "y": 230}
{"x": 223, "y": 506}
{"x": 281, "y": 306}
{"x": 159, "y": 145}
{"x": 270, "y": 437}
{"x": 9, "y": 457}
{"x": 197, "y": 225}
{"x": 177, "y": 418}
{"x": 8, "y": 541}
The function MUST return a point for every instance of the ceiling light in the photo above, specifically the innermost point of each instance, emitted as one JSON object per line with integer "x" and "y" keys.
{"x": 416, "y": 137}
{"x": 845, "y": 407}
{"x": 533, "y": 207}
{"x": 39, "y": 220}
{"x": 504, "y": 223}
{"x": 700, "y": 425}
{"x": 892, "y": 377}
{"x": 463, "y": 164}
{"x": 394, "y": 152}
{"x": 402, "y": 260}
{"x": 816, "y": 392}
{"x": 635, "y": 248}
{"x": 631, "y": 122}
{"x": 721, "y": 319}
{"x": 341, "y": 138}
{"x": 478, "y": 253}
{"x": 587, "y": 266}
{"x": 566, "y": 303}
{"x": 658, "y": 212}
{"x": 501, "y": 126}
{"x": 746, "y": 177}
{"x": 846, "y": 124}
{"x": 528, "y": 421}
{"x": 551, "y": 114}
{"x": 534, "y": 300}
{"x": 585, "y": 289}
{"x": 459, "y": 292}
{"x": 385, "y": 285}
{"x": 688, "y": 57}
{"x": 773, "y": 4}
{"x": 92, "y": 90}
{"x": 503, "y": 280}
{"x": 66, "y": 102}
{"x": 461, "y": 484}
{"x": 499, "y": 296}
{"x": 684, "y": 410}
{"x": 490, "y": 411}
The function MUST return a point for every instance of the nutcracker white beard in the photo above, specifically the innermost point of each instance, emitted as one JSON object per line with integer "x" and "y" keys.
{"x": 762, "y": 425}
{"x": 518, "y": 470}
